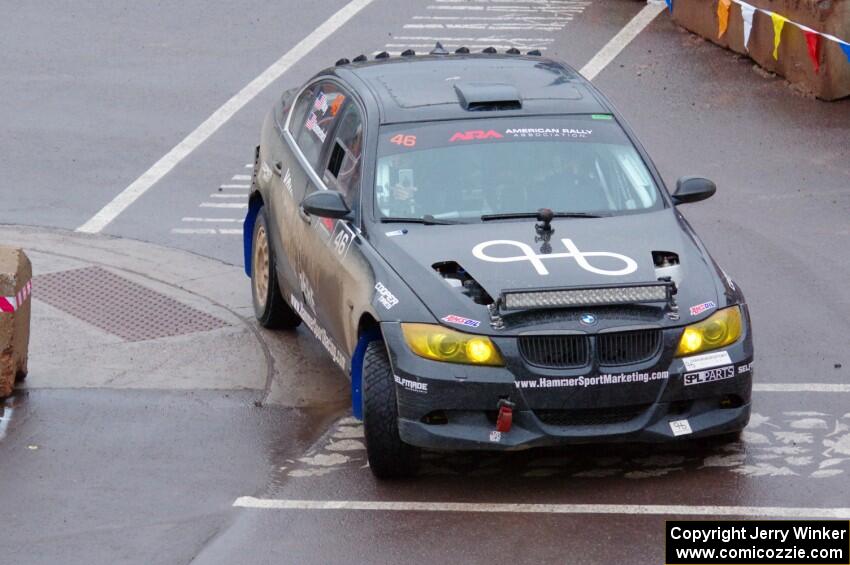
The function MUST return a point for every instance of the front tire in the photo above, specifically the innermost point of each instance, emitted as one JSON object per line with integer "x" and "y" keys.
{"x": 389, "y": 457}
{"x": 270, "y": 309}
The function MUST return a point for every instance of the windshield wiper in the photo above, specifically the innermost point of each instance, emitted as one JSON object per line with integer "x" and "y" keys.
{"x": 427, "y": 220}
{"x": 515, "y": 215}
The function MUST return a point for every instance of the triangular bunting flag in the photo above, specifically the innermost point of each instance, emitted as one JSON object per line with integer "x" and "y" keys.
{"x": 813, "y": 41}
{"x": 747, "y": 13}
{"x": 778, "y": 24}
{"x": 846, "y": 49}
{"x": 722, "y": 16}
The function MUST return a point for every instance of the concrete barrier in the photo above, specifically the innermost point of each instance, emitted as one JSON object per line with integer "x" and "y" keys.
{"x": 15, "y": 301}
{"x": 793, "y": 63}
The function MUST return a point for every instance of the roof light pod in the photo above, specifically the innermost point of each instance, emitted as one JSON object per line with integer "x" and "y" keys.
{"x": 489, "y": 50}
{"x": 408, "y": 53}
{"x": 513, "y": 51}
{"x": 360, "y": 58}
{"x": 535, "y": 53}
{"x": 382, "y": 55}
{"x": 342, "y": 61}
{"x": 462, "y": 50}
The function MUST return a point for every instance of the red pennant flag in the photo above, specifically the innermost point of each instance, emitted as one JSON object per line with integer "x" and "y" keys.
{"x": 813, "y": 41}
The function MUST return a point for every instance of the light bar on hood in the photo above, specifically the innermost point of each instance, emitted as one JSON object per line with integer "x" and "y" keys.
{"x": 606, "y": 295}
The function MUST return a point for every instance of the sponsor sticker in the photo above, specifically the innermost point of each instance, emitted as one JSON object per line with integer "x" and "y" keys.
{"x": 265, "y": 172}
{"x": 680, "y": 427}
{"x": 318, "y": 331}
{"x": 704, "y": 307}
{"x": 385, "y": 297}
{"x": 475, "y": 134}
{"x": 549, "y": 132}
{"x": 587, "y": 381}
{"x": 495, "y": 436}
{"x": 461, "y": 321}
{"x": 307, "y": 290}
{"x": 287, "y": 180}
{"x": 526, "y": 253}
{"x": 707, "y": 361}
{"x": 412, "y": 386}
{"x": 709, "y": 375}
{"x": 395, "y": 233}
{"x": 745, "y": 368}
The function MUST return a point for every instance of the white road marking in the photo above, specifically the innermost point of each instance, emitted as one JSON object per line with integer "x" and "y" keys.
{"x": 249, "y": 165}
{"x": 521, "y": 508}
{"x": 235, "y": 186}
{"x": 452, "y": 46}
{"x": 192, "y": 141}
{"x": 215, "y": 220}
{"x": 241, "y": 177}
{"x": 800, "y": 387}
{"x": 224, "y": 205}
{"x": 221, "y": 195}
{"x": 621, "y": 40}
{"x": 207, "y": 231}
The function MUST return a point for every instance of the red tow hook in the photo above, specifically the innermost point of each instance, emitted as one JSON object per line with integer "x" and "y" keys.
{"x": 505, "y": 417}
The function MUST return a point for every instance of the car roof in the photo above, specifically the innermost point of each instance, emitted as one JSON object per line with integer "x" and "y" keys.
{"x": 458, "y": 86}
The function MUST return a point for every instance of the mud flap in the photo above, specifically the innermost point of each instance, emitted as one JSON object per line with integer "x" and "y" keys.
{"x": 248, "y": 231}
{"x": 357, "y": 370}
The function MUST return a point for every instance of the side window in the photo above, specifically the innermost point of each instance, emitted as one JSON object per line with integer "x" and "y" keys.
{"x": 313, "y": 117}
{"x": 343, "y": 171}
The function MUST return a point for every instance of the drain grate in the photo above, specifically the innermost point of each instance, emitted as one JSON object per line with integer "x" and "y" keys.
{"x": 120, "y": 306}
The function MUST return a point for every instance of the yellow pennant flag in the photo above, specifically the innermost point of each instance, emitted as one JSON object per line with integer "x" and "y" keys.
{"x": 778, "y": 24}
{"x": 722, "y": 16}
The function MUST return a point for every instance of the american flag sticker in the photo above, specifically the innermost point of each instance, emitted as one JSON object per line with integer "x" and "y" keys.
{"x": 321, "y": 102}
{"x": 311, "y": 122}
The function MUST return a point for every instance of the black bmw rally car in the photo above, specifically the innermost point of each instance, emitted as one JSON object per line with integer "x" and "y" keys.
{"x": 481, "y": 243}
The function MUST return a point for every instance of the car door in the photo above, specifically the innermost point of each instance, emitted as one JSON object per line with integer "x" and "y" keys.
{"x": 333, "y": 266}
{"x": 309, "y": 135}
{"x": 281, "y": 168}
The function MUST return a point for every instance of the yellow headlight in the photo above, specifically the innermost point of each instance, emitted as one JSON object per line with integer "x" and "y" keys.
{"x": 721, "y": 329}
{"x": 443, "y": 344}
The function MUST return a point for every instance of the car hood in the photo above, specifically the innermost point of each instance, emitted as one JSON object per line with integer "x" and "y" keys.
{"x": 507, "y": 255}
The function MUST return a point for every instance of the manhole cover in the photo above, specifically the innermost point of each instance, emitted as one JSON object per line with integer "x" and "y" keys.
{"x": 120, "y": 306}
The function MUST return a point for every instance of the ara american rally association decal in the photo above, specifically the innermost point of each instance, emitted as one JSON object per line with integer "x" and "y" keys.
{"x": 461, "y": 321}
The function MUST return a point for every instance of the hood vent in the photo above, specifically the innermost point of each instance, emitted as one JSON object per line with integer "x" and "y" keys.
{"x": 478, "y": 96}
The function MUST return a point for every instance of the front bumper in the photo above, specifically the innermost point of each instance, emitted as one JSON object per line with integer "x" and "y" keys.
{"x": 449, "y": 406}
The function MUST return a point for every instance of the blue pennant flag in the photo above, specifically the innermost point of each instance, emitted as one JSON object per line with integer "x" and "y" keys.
{"x": 670, "y": 6}
{"x": 846, "y": 49}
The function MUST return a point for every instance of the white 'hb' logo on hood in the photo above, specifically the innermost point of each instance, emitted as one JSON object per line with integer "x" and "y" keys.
{"x": 573, "y": 252}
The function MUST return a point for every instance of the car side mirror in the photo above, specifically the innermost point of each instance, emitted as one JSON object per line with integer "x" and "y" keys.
{"x": 693, "y": 189}
{"x": 326, "y": 204}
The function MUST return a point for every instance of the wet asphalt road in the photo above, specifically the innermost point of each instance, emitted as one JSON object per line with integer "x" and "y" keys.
{"x": 96, "y": 94}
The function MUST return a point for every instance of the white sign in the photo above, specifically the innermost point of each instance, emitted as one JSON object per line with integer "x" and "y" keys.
{"x": 707, "y": 360}
{"x": 528, "y": 254}
{"x": 680, "y": 427}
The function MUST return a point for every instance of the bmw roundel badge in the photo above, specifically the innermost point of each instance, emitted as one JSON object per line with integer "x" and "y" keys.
{"x": 588, "y": 319}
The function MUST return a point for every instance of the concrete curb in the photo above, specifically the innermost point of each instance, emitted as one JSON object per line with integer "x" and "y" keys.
{"x": 15, "y": 285}
{"x": 830, "y": 83}
{"x": 287, "y": 368}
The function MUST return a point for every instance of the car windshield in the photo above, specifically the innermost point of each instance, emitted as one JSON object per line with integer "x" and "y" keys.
{"x": 582, "y": 165}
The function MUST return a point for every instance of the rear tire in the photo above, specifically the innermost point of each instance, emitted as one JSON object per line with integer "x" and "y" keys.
{"x": 270, "y": 308}
{"x": 389, "y": 457}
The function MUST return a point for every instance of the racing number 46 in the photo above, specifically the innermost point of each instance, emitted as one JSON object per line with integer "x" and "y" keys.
{"x": 341, "y": 242}
{"x": 405, "y": 140}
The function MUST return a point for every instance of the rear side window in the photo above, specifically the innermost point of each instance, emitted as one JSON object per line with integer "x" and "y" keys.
{"x": 343, "y": 171}
{"x": 313, "y": 118}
